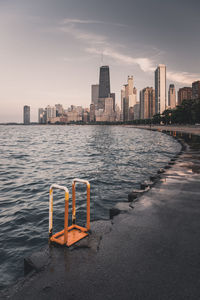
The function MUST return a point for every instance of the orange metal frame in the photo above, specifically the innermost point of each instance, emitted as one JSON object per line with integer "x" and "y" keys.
{"x": 70, "y": 234}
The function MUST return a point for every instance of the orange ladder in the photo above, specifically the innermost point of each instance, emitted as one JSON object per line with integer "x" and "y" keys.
{"x": 74, "y": 233}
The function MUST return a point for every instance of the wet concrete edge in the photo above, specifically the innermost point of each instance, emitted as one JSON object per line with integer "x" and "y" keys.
{"x": 40, "y": 259}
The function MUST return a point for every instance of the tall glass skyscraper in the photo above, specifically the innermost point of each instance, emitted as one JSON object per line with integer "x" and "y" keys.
{"x": 104, "y": 82}
{"x": 160, "y": 89}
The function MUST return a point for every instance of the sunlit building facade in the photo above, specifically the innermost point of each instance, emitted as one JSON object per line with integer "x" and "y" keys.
{"x": 184, "y": 93}
{"x": 172, "y": 96}
{"x": 160, "y": 89}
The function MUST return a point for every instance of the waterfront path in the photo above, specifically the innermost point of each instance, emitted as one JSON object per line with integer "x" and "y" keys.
{"x": 150, "y": 251}
{"x": 193, "y": 129}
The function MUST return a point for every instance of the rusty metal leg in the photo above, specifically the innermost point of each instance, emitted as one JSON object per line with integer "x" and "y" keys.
{"x": 88, "y": 206}
{"x": 73, "y": 203}
{"x": 66, "y": 217}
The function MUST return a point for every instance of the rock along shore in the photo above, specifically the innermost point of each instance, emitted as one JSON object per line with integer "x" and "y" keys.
{"x": 150, "y": 249}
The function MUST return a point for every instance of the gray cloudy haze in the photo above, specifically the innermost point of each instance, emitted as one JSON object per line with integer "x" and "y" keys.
{"x": 50, "y": 51}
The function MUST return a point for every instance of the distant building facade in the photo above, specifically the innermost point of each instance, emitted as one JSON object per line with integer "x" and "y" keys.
{"x": 59, "y": 110}
{"x": 50, "y": 113}
{"x": 26, "y": 115}
{"x": 125, "y": 109}
{"x": 42, "y": 116}
{"x": 172, "y": 96}
{"x": 95, "y": 94}
{"x": 137, "y": 111}
{"x": 128, "y": 100}
{"x": 92, "y": 112}
{"x": 196, "y": 90}
{"x": 147, "y": 103}
{"x": 184, "y": 93}
{"x": 160, "y": 89}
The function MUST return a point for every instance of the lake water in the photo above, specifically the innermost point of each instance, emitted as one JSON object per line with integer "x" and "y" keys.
{"x": 115, "y": 159}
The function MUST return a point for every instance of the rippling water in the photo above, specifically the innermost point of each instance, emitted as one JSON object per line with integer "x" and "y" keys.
{"x": 114, "y": 159}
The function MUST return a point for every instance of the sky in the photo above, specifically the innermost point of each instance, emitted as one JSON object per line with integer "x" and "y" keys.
{"x": 51, "y": 51}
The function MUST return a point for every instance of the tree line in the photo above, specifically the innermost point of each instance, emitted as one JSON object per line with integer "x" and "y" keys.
{"x": 186, "y": 113}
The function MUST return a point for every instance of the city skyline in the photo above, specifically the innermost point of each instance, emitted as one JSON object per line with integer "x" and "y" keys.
{"x": 49, "y": 48}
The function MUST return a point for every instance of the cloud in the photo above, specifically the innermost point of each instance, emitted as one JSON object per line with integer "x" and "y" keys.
{"x": 144, "y": 63}
{"x": 88, "y": 37}
{"x": 68, "y": 21}
{"x": 100, "y": 44}
{"x": 79, "y": 21}
{"x": 182, "y": 77}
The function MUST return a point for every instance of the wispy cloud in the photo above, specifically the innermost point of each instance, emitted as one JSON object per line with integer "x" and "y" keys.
{"x": 144, "y": 63}
{"x": 182, "y": 77}
{"x": 100, "y": 44}
{"x": 82, "y": 21}
{"x": 88, "y": 37}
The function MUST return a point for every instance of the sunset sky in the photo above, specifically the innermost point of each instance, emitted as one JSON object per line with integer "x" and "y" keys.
{"x": 51, "y": 51}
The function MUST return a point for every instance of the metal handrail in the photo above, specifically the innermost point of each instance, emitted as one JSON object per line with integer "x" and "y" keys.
{"x": 60, "y": 187}
{"x": 77, "y": 180}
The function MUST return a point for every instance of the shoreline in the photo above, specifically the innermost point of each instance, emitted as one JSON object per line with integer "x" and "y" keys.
{"x": 171, "y": 128}
{"x": 100, "y": 230}
{"x": 193, "y": 129}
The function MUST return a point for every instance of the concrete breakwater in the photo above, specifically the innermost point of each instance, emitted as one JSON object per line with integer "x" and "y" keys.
{"x": 148, "y": 250}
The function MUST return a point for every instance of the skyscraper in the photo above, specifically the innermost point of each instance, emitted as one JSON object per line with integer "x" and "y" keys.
{"x": 172, "y": 96}
{"x": 147, "y": 103}
{"x": 160, "y": 89}
{"x": 125, "y": 109}
{"x": 92, "y": 112}
{"x": 42, "y": 117}
{"x": 122, "y": 98}
{"x": 184, "y": 93}
{"x": 104, "y": 82}
{"x": 95, "y": 95}
{"x": 112, "y": 95}
{"x": 128, "y": 100}
{"x": 196, "y": 90}
{"x": 26, "y": 115}
{"x": 50, "y": 112}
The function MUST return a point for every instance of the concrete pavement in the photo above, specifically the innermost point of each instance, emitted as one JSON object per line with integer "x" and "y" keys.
{"x": 151, "y": 250}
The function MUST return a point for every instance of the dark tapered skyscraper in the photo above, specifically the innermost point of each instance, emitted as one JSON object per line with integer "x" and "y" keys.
{"x": 104, "y": 82}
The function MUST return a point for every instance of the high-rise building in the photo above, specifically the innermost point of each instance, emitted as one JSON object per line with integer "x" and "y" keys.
{"x": 42, "y": 117}
{"x": 85, "y": 116}
{"x": 26, "y": 115}
{"x": 128, "y": 100}
{"x": 160, "y": 89}
{"x": 172, "y": 96}
{"x": 104, "y": 82}
{"x": 137, "y": 111}
{"x": 122, "y": 98}
{"x": 196, "y": 90}
{"x": 147, "y": 103}
{"x": 109, "y": 106}
{"x": 92, "y": 112}
{"x": 50, "y": 112}
{"x": 125, "y": 109}
{"x": 59, "y": 110}
{"x": 184, "y": 93}
{"x": 95, "y": 95}
{"x": 112, "y": 95}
